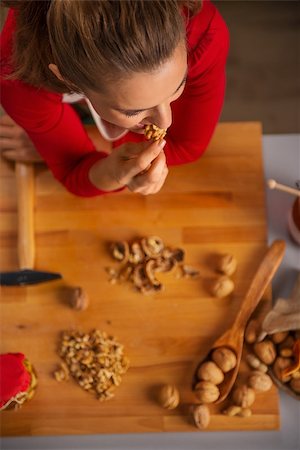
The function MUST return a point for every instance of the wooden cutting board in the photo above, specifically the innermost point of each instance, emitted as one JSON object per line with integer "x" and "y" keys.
{"x": 214, "y": 205}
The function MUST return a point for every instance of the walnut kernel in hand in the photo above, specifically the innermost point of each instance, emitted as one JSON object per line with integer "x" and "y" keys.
{"x": 154, "y": 132}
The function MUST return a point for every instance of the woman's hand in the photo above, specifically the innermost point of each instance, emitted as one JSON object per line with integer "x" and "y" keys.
{"x": 141, "y": 167}
{"x": 13, "y": 137}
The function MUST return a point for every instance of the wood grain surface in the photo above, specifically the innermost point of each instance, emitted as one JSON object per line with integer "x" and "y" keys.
{"x": 213, "y": 206}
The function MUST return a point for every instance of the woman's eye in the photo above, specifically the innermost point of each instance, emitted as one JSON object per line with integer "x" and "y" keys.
{"x": 132, "y": 113}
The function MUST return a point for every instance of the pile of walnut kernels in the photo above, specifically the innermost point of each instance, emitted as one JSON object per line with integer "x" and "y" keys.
{"x": 95, "y": 360}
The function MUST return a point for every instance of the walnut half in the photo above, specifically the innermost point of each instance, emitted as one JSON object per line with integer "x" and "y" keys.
{"x": 153, "y": 132}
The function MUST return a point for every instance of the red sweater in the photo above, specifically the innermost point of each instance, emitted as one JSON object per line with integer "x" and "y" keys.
{"x": 61, "y": 139}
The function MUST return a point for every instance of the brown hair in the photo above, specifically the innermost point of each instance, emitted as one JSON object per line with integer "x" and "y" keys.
{"x": 93, "y": 41}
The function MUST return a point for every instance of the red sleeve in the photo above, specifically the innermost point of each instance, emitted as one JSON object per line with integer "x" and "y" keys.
{"x": 62, "y": 141}
{"x": 197, "y": 110}
{"x": 54, "y": 127}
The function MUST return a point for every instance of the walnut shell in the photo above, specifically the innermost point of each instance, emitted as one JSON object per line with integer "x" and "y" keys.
{"x": 222, "y": 286}
{"x": 266, "y": 351}
{"x": 201, "y": 416}
{"x": 207, "y": 392}
{"x": 169, "y": 396}
{"x": 224, "y": 358}
{"x": 226, "y": 264}
{"x": 120, "y": 250}
{"x": 260, "y": 382}
{"x": 243, "y": 396}
{"x": 209, "y": 371}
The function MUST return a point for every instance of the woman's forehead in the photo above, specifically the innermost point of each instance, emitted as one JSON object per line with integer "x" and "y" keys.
{"x": 145, "y": 90}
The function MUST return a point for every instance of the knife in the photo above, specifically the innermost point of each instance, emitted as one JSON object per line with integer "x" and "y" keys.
{"x": 27, "y": 276}
{"x": 24, "y": 172}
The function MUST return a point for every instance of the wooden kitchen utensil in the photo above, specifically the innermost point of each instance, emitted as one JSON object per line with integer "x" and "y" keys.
{"x": 24, "y": 171}
{"x": 272, "y": 184}
{"x": 233, "y": 338}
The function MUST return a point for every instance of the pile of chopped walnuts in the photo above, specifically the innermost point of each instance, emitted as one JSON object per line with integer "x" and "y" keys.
{"x": 142, "y": 259}
{"x": 95, "y": 360}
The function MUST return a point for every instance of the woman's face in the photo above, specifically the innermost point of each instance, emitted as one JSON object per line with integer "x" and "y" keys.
{"x": 144, "y": 98}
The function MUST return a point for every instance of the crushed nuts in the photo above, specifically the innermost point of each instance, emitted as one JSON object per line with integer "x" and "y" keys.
{"x": 95, "y": 360}
{"x": 142, "y": 259}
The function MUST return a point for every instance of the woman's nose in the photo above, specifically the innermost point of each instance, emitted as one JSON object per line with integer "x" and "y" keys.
{"x": 161, "y": 116}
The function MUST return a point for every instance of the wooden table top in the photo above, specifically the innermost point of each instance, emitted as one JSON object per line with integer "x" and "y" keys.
{"x": 216, "y": 205}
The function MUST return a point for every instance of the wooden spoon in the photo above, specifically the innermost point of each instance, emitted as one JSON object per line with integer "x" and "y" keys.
{"x": 233, "y": 338}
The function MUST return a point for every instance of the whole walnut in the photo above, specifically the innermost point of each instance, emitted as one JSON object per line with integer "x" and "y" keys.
{"x": 226, "y": 264}
{"x": 259, "y": 381}
{"x": 169, "y": 396}
{"x": 222, "y": 286}
{"x": 279, "y": 337}
{"x": 286, "y": 347}
{"x": 79, "y": 299}
{"x": 209, "y": 371}
{"x": 266, "y": 351}
{"x": 206, "y": 392}
{"x": 279, "y": 365}
{"x": 201, "y": 416}
{"x": 224, "y": 358}
{"x": 243, "y": 396}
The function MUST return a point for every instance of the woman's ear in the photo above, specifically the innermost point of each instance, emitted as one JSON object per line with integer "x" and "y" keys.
{"x": 54, "y": 69}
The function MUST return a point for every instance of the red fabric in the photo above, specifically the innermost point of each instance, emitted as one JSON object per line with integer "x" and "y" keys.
{"x": 14, "y": 377}
{"x": 60, "y": 138}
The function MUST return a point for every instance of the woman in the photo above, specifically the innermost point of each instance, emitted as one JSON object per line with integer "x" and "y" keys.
{"x": 133, "y": 62}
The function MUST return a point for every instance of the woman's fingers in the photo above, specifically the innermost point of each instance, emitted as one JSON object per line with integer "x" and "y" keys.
{"x": 6, "y": 120}
{"x": 8, "y": 143}
{"x": 13, "y": 137}
{"x": 151, "y": 181}
{"x": 138, "y": 160}
{"x": 7, "y": 131}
